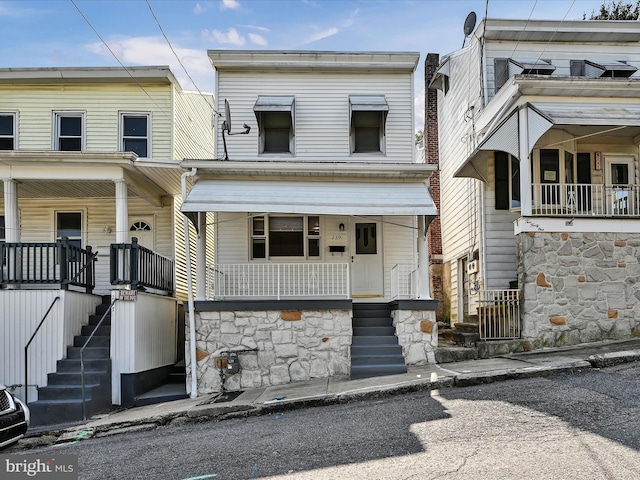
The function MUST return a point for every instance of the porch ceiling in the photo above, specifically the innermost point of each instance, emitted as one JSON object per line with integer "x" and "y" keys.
{"x": 310, "y": 197}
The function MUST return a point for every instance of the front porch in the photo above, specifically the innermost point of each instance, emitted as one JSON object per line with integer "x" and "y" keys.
{"x": 586, "y": 200}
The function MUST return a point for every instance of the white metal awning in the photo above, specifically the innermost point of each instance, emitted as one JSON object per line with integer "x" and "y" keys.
{"x": 309, "y": 197}
{"x": 274, "y": 104}
{"x": 368, "y": 103}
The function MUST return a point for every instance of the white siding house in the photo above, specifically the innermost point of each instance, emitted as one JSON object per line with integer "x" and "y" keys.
{"x": 540, "y": 206}
{"x": 90, "y": 159}
{"x": 319, "y": 210}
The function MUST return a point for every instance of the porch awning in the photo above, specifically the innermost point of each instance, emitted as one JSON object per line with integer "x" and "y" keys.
{"x": 309, "y": 197}
{"x": 505, "y": 137}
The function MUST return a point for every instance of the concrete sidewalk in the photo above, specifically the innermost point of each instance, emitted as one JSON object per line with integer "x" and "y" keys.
{"x": 326, "y": 391}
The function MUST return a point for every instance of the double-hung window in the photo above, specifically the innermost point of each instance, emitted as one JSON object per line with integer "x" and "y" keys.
{"x": 507, "y": 179}
{"x": 368, "y": 116}
{"x": 8, "y": 131}
{"x": 69, "y": 224}
{"x": 278, "y": 236}
{"x": 134, "y": 133}
{"x": 276, "y": 121}
{"x": 68, "y": 131}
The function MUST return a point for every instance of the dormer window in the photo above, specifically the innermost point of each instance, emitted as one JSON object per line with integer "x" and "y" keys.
{"x": 368, "y": 116}
{"x": 606, "y": 69}
{"x": 507, "y": 67}
{"x": 275, "y": 115}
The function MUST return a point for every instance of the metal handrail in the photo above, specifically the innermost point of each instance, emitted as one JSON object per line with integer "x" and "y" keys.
{"x": 26, "y": 351}
{"x": 104, "y": 315}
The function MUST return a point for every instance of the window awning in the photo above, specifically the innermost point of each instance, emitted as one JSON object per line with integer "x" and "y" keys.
{"x": 368, "y": 103}
{"x": 274, "y": 104}
{"x": 530, "y": 66}
{"x": 608, "y": 69}
{"x": 309, "y": 197}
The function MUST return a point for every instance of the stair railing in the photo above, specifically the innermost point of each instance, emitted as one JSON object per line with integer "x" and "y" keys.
{"x": 104, "y": 315}
{"x": 26, "y": 351}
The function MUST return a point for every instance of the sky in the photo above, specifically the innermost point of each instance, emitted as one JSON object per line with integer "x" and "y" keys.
{"x": 178, "y": 33}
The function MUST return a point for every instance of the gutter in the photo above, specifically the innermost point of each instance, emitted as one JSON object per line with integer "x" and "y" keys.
{"x": 192, "y": 320}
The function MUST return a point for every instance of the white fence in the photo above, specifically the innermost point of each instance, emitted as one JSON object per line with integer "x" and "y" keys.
{"x": 499, "y": 314}
{"x": 404, "y": 281}
{"x": 586, "y": 200}
{"x": 278, "y": 280}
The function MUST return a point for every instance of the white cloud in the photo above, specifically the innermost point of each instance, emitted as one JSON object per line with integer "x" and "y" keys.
{"x": 229, "y": 4}
{"x": 230, "y": 37}
{"x": 156, "y": 51}
{"x": 7, "y": 10}
{"x": 418, "y": 103}
{"x": 256, "y": 27}
{"x": 329, "y": 32}
{"x": 258, "y": 39}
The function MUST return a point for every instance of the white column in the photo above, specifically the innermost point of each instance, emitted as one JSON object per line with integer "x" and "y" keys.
{"x": 423, "y": 260}
{"x": 11, "y": 216}
{"x": 525, "y": 163}
{"x": 122, "y": 212}
{"x": 201, "y": 256}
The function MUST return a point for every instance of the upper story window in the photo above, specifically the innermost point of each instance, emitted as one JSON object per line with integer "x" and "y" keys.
{"x": 504, "y": 68}
{"x": 134, "y": 133}
{"x": 276, "y": 120}
{"x": 8, "y": 131}
{"x": 607, "y": 69}
{"x": 68, "y": 131}
{"x": 368, "y": 116}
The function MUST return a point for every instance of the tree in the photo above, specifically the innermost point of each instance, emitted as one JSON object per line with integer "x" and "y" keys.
{"x": 616, "y": 10}
{"x": 420, "y": 134}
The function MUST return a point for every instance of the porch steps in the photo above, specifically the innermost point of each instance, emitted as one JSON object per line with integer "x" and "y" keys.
{"x": 60, "y": 401}
{"x": 459, "y": 343}
{"x": 174, "y": 389}
{"x": 374, "y": 348}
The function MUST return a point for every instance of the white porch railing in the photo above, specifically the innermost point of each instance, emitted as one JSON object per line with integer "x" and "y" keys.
{"x": 499, "y": 314}
{"x": 586, "y": 200}
{"x": 278, "y": 280}
{"x": 404, "y": 281}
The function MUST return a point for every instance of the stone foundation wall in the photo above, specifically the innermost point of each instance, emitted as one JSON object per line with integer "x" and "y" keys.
{"x": 417, "y": 333}
{"x": 292, "y": 346}
{"x": 579, "y": 287}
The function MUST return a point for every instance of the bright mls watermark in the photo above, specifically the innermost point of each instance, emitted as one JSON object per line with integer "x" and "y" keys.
{"x": 52, "y": 467}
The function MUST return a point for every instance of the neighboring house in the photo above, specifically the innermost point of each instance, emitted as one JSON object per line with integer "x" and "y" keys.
{"x": 539, "y": 130}
{"x": 89, "y": 159}
{"x": 320, "y": 217}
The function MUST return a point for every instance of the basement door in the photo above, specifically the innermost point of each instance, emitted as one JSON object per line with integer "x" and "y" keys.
{"x": 366, "y": 261}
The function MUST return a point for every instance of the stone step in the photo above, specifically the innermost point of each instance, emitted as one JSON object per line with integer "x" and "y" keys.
{"x": 372, "y": 322}
{"x": 373, "y": 331}
{"x": 452, "y": 354}
{"x": 367, "y": 371}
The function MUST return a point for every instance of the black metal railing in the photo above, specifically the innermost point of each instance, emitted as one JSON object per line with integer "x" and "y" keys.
{"x": 139, "y": 267}
{"x": 48, "y": 263}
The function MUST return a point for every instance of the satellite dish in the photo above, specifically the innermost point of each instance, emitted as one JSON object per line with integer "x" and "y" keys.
{"x": 469, "y": 24}
{"x": 226, "y": 124}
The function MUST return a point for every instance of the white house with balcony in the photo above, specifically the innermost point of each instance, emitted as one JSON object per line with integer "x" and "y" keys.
{"x": 93, "y": 267}
{"x": 319, "y": 217}
{"x": 539, "y": 127}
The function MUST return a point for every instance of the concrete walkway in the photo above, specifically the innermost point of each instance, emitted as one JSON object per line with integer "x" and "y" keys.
{"x": 273, "y": 400}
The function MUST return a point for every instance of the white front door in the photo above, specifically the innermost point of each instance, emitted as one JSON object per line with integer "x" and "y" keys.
{"x": 367, "y": 273}
{"x": 142, "y": 229}
{"x": 619, "y": 178}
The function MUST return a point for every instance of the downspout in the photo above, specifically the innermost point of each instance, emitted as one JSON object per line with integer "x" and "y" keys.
{"x": 192, "y": 317}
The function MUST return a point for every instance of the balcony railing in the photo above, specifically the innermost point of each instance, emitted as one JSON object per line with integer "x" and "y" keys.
{"x": 499, "y": 314}
{"x": 51, "y": 263}
{"x": 586, "y": 200}
{"x": 404, "y": 281}
{"x": 137, "y": 266}
{"x": 278, "y": 280}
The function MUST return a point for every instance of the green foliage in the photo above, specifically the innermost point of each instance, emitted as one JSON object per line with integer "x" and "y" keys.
{"x": 420, "y": 134}
{"x": 616, "y": 10}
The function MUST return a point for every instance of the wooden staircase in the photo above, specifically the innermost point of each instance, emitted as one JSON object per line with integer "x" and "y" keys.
{"x": 60, "y": 401}
{"x": 374, "y": 348}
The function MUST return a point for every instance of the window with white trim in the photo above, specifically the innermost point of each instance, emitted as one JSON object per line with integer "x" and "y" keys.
{"x": 8, "y": 131}
{"x": 276, "y": 121}
{"x": 507, "y": 181}
{"x": 368, "y": 116}
{"x": 68, "y": 131}
{"x": 134, "y": 133}
{"x": 282, "y": 236}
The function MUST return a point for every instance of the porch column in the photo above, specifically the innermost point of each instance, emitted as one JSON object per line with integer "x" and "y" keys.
{"x": 201, "y": 256}
{"x": 122, "y": 212}
{"x": 423, "y": 259}
{"x": 11, "y": 223}
{"x": 525, "y": 163}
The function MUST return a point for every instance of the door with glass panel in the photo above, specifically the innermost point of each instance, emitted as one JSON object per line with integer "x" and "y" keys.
{"x": 367, "y": 275}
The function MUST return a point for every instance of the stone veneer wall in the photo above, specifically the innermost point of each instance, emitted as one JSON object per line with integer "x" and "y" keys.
{"x": 579, "y": 287}
{"x": 417, "y": 333}
{"x": 292, "y": 345}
